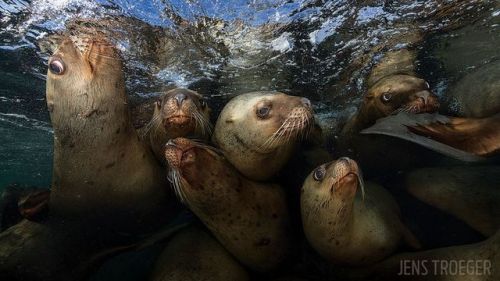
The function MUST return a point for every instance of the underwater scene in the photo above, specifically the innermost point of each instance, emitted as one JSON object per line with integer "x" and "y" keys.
{"x": 250, "y": 140}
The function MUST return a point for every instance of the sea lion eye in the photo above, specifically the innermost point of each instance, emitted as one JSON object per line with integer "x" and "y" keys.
{"x": 56, "y": 66}
{"x": 386, "y": 97}
{"x": 263, "y": 112}
{"x": 319, "y": 174}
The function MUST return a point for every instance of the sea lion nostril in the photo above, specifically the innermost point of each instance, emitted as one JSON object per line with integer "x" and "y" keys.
{"x": 423, "y": 95}
{"x": 180, "y": 98}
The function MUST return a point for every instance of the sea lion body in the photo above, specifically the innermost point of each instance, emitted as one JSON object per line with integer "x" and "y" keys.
{"x": 177, "y": 113}
{"x": 469, "y": 193}
{"x": 249, "y": 219}
{"x": 260, "y": 129}
{"x": 343, "y": 227}
{"x": 478, "y": 94}
{"x": 192, "y": 255}
{"x": 102, "y": 171}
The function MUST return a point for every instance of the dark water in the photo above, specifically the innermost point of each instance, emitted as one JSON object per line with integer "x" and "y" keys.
{"x": 310, "y": 48}
{"x": 318, "y": 49}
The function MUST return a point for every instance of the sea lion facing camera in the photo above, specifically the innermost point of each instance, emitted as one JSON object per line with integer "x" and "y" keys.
{"x": 177, "y": 113}
{"x": 249, "y": 219}
{"x": 258, "y": 131}
{"x": 102, "y": 171}
{"x": 344, "y": 226}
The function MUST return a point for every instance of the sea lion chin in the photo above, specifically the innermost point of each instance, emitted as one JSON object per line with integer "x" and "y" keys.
{"x": 261, "y": 129}
{"x": 347, "y": 227}
{"x": 249, "y": 218}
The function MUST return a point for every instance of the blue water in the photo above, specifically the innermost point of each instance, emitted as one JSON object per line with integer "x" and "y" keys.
{"x": 307, "y": 51}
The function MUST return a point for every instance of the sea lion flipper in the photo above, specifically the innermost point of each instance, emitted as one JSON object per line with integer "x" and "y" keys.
{"x": 35, "y": 204}
{"x": 398, "y": 126}
{"x": 409, "y": 238}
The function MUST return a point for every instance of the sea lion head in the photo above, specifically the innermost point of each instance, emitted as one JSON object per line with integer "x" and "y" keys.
{"x": 336, "y": 181}
{"x": 79, "y": 72}
{"x": 183, "y": 112}
{"x": 192, "y": 164}
{"x": 396, "y": 93}
{"x": 264, "y": 121}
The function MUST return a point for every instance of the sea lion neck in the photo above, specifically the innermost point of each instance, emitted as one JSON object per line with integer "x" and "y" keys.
{"x": 101, "y": 169}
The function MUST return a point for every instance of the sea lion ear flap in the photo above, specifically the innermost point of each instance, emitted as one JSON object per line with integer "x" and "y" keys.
{"x": 368, "y": 97}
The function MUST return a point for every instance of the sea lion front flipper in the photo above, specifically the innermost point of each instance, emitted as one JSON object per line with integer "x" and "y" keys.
{"x": 398, "y": 126}
{"x": 409, "y": 238}
{"x": 34, "y": 205}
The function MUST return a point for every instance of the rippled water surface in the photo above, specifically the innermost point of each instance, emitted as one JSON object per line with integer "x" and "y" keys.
{"x": 318, "y": 49}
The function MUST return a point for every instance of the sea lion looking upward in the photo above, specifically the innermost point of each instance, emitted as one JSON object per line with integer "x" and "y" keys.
{"x": 258, "y": 131}
{"x": 344, "y": 226}
{"x": 102, "y": 172}
{"x": 177, "y": 113}
{"x": 250, "y": 219}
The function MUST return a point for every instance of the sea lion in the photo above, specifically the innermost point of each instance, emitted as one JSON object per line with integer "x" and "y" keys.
{"x": 250, "y": 219}
{"x": 177, "y": 113}
{"x": 261, "y": 129}
{"x": 389, "y": 95}
{"x": 469, "y": 193}
{"x": 477, "y": 93}
{"x": 344, "y": 226}
{"x": 393, "y": 87}
{"x": 192, "y": 255}
{"x": 466, "y": 139}
{"x": 102, "y": 172}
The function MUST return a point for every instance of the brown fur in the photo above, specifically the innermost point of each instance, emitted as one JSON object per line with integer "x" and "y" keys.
{"x": 102, "y": 172}
{"x": 249, "y": 218}
{"x": 345, "y": 227}
{"x": 260, "y": 147}
{"x": 170, "y": 120}
{"x": 194, "y": 255}
{"x": 479, "y": 136}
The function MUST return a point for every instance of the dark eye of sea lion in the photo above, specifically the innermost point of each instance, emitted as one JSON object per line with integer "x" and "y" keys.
{"x": 263, "y": 111}
{"x": 56, "y": 66}
{"x": 319, "y": 173}
{"x": 386, "y": 97}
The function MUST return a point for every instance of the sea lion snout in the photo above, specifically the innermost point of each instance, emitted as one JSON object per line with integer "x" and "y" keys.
{"x": 175, "y": 150}
{"x": 179, "y": 98}
{"x": 426, "y": 102}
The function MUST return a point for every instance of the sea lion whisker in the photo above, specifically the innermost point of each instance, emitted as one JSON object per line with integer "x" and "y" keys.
{"x": 175, "y": 179}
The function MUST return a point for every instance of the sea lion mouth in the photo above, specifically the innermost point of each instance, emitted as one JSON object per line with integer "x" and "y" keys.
{"x": 298, "y": 123}
{"x": 425, "y": 102}
{"x": 178, "y": 153}
{"x": 178, "y": 120}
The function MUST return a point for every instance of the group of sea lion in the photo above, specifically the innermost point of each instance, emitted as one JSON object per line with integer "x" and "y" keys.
{"x": 115, "y": 186}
